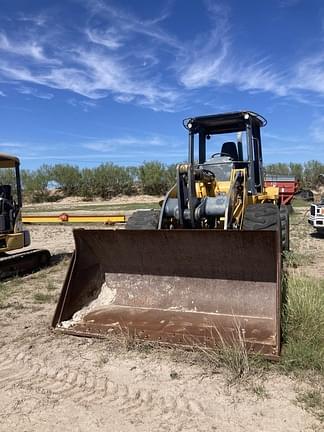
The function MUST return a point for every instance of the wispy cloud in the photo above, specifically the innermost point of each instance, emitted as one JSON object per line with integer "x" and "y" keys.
{"x": 309, "y": 74}
{"x": 283, "y": 138}
{"x": 91, "y": 67}
{"x": 2, "y": 93}
{"x": 38, "y": 19}
{"x": 110, "y": 38}
{"x": 213, "y": 61}
{"x": 145, "y": 144}
{"x": 85, "y": 105}
{"x": 316, "y": 130}
{"x": 10, "y": 144}
{"x": 21, "y": 48}
{"x": 118, "y": 54}
{"x": 35, "y": 92}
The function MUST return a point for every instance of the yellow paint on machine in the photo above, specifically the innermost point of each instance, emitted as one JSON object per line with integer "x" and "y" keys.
{"x": 73, "y": 218}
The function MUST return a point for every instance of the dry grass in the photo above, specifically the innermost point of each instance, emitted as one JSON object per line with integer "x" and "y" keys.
{"x": 43, "y": 298}
{"x": 303, "y": 324}
{"x": 233, "y": 355}
{"x": 313, "y": 401}
{"x": 295, "y": 259}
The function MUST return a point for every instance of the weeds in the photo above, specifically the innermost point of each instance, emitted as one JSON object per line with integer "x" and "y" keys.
{"x": 303, "y": 324}
{"x": 260, "y": 391}
{"x": 43, "y": 298}
{"x": 233, "y": 354}
{"x": 312, "y": 401}
{"x": 294, "y": 259}
{"x": 50, "y": 285}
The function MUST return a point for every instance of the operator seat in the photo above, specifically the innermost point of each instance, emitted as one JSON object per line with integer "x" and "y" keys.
{"x": 5, "y": 192}
{"x": 229, "y": 149}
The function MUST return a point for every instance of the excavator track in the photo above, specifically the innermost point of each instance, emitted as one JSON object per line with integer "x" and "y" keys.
{"x": 23, "y": 262}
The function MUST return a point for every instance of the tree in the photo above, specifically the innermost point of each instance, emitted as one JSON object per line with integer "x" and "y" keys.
{"x": 67, "y": 177}
{"x": 312, "y": 171}
{"x": 34, "y": 183}
{"x": 154, "y": 178}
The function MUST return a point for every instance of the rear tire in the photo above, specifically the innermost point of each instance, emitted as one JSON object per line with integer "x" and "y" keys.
{"x": 144, "y": 219}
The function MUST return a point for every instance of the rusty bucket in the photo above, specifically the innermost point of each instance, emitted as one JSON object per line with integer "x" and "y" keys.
{"x": 190, "y": 287}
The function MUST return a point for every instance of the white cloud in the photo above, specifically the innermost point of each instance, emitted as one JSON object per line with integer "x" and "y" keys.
{"x": 145, "y": 145}
{"x": 27, "y": 49}
{"x": 129, "y": 23}
{"x": 34, "y": 92}
{"x": 126, "y": 142}
{"x": 110, "y": 38}
{"x": 2, "y": 93}
{"x": 316, "y": 130}
{"x": 85, "y": 105}
{"x": 213, "y": 61}
{"x": 119, "y": 55}
{"x": 309, "y": 74}
{"x": 9, "y": 144}
{"x": 38, "y": 19}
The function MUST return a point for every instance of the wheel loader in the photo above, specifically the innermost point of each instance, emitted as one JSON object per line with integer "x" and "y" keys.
{"x": 13, "y": 236}
{"x": 203, "y": 270}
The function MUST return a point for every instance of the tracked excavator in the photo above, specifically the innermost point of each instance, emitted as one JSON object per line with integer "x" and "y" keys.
{"x": 13, "y": 236}
{"x": 203, "y": 270}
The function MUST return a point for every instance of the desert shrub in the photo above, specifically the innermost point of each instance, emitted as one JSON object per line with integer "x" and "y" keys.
{"x": 35, "y": 183}
{"x": 155, "y": 178}
{"x": 67, "y": 177}
{"x": 106, "y": 181}
{"x": 8, "y": 177}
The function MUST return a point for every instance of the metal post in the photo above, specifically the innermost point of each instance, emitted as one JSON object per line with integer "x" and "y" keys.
{"x": 191, "y": 149}
{"x": 249, "y": 140}
{"x": 202, "y": 147}
{"x": 18, "y": 182}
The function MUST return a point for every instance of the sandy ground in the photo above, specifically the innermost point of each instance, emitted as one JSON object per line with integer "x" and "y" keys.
{"x": 52, "y": 382}
{"x": 70, "y": 202}
{"x": 306, "y": 241}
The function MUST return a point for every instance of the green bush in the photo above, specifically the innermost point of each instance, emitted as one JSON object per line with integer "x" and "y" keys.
{"x": 35, "y": 183}
{"x": 106, "y": 181}
{"x": 156, "y": 178}
{"x": 67, "y": 177}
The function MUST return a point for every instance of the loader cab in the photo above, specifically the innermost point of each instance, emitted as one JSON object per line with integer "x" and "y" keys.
{"x": 238, "y": 138}
{"x": 10, "y": 192}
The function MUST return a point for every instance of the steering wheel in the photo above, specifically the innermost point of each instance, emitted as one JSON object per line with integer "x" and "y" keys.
{"x": 221, "y": 154}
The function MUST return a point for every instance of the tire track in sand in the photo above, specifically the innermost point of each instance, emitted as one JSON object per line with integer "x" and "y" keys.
{"x": 20, "y": 368}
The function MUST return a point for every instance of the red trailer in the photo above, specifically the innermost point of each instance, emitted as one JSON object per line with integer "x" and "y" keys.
{"x": 288, "y": 186}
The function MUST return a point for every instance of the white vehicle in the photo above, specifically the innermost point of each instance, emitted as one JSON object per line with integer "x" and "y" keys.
{"x": 316, "y": 217}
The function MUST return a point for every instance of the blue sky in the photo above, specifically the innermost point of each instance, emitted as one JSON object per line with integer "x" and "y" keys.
{"x": 85, "y": 82}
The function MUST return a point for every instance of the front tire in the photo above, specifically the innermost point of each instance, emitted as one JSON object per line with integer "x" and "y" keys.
{"x": 261, "y": 217}
{"x": 268, "y": 217}
{"x": 143, "y": 220}
{"x": 284, "y": 221}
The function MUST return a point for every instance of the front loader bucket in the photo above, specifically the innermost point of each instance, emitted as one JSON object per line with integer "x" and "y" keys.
{"x": 191, "y": 287}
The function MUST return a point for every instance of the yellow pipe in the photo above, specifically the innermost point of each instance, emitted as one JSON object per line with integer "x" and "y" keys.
{"x": 68, "y": 218}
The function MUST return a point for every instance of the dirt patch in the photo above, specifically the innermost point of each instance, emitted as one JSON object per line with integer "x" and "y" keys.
{"x": 308, "y": 244}
{"x": 50, "y": 381}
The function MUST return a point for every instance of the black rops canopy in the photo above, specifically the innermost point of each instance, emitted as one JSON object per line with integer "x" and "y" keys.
{"x": 224, "y": 123}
